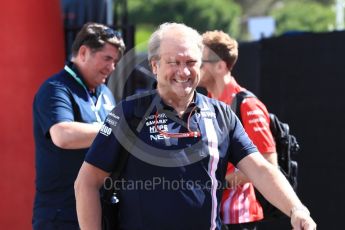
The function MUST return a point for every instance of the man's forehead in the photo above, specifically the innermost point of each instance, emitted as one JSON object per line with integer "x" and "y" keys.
{"x": 178, "y": 47}
{"x": 189, "y": 52}
{"x": 109, "y": 49}
{"x": 207, "y": 52}
{"x": 175, "y": 40}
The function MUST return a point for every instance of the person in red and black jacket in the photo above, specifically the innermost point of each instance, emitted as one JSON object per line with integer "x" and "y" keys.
{"x": 239, "y": 207}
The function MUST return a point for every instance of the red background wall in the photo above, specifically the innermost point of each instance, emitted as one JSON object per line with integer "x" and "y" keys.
{"x": 32, "y": 48}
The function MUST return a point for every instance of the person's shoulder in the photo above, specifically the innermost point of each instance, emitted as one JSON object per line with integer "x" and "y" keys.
{"x": 54, "y": 80}
{"x": 220, "y": 111}
{"x": 253, "y": 103}
{"x": 137, "y": 104}
{"x": 140, "y": 96}
{"x": 202, "y": 99}
{"x": 140, "y": 99}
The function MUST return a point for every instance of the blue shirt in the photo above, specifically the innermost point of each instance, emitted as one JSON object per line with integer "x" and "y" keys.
{"x": 62, "y": 98}
{"x": 168, "y": 182}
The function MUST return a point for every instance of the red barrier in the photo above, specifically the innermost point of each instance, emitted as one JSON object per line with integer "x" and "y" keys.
{"x": 32, "y": 49}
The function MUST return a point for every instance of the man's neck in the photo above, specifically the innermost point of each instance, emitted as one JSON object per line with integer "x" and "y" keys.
{"x": 81, "y": 75}
{"x": 216, "y": 89}
{"x": 180, "y": 104}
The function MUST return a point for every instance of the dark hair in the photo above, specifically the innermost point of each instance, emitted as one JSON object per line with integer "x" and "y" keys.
{"x": 95, "y": 36}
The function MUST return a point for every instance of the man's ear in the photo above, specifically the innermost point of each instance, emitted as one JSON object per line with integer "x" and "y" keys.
{"x": 154, "y": 66}
{"x": 221, "y": 66}
{"x": 82, "y": 52}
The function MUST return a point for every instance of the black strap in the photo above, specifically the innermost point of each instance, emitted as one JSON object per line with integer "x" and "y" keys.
{"x": 120, "y": 164}
{"x": 134, "y": 116}
{"x": 237, "y": 101}
{"x": 123, "y": 155}
{"x": 115, "y": 175}
{"x": 107, "y": 194}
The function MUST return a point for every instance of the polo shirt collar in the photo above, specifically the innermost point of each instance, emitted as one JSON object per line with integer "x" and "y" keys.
{"x": 195, "y": 102}
{"x": 74, "y": 68}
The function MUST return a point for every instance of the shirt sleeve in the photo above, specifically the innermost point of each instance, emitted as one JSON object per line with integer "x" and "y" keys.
{"x": 256, "y": 122}
{"x": 105, "y": 150}
{"x": 53, "y": 105}
{"x": 240, "y": 144}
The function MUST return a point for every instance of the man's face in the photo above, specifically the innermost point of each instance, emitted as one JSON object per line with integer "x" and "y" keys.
{"x": 97, "y": 66}
{"x": 207, "y": 68}
{"x": 178, "y": 67}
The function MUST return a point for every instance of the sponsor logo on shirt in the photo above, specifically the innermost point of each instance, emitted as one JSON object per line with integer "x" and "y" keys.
{"x": 207, "y": 114}
{"x": 105, "y": 130}
{"x": 111, "y": 114}
{"x": 160, "y": 121}
{"x": 258, "y": 129}
{"x": 257, "y": 120}
{"x": 111, "y": 121}
{"x": 157, "y": 137}
{"x": 152, "y": 117}
{"x": 153, "y": 131}
{"x": 161, "y": 125}
{"x": 255, "y": 112}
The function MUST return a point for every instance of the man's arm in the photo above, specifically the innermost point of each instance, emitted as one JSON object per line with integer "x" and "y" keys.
{"x": 238, "y": 178}
{"x": 276, "y": 189}
{"x": 255, "y": 120}
{"x": 73, "y": 135}
{"x": 271, "y": 157}
{"x": 87, "y": 185}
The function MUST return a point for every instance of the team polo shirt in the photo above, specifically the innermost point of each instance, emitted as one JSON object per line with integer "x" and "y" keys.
{"x": 239, "y": 204}
{"x": 62, "y": 98}
{"x": 169, "y": 182}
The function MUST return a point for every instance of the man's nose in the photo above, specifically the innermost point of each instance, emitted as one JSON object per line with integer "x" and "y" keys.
{"x": 111, "y": 66}
{"x": 183, "y": 69}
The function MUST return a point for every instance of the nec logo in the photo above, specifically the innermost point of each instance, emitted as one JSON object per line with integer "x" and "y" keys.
{"x": 105, "y": 130}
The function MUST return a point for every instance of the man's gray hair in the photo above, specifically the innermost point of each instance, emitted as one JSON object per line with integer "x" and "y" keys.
{"x": 156, "y": 37}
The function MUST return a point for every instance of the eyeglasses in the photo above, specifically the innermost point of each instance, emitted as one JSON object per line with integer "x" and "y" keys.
{"x": 110, "y": 33}
{"x": 103, "y": 34}
{"x": 190, "y": 133}
{"x": 210, "y": 61}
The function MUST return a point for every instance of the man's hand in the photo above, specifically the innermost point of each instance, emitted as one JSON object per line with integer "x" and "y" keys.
{"x": 301, "y": 220}
{"x": 235, "y": 179}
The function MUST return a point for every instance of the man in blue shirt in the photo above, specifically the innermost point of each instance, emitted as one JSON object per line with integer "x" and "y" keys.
{"x": 68, "y": 111}
{"x": 179, "y": 143}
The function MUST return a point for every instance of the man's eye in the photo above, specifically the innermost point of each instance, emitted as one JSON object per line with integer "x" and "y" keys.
{"x": 191, "y": 63}
{"x": 172, "y": 63}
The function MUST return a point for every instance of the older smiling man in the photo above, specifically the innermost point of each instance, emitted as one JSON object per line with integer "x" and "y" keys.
{"x": 179, "y": 143}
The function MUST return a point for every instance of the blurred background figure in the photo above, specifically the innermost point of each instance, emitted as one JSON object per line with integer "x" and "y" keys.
{"x": 239, "y": 209}
{"x": 68, "y": 112}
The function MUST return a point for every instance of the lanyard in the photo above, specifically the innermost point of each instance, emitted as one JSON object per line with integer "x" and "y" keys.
{"x": 94, "y": 108}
